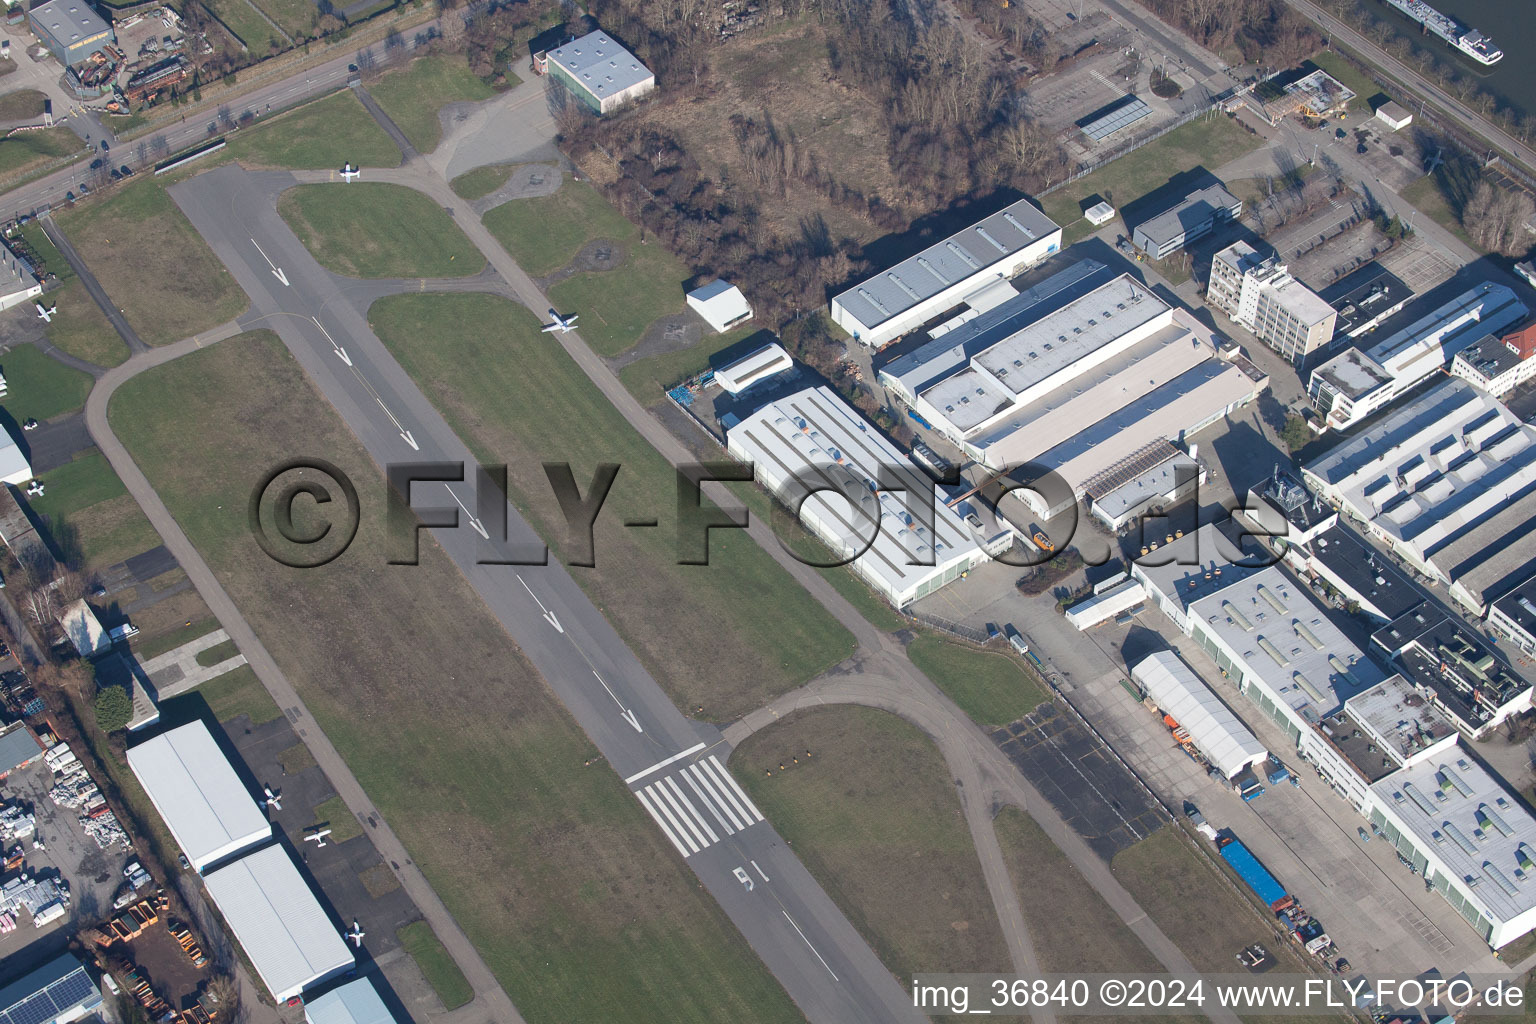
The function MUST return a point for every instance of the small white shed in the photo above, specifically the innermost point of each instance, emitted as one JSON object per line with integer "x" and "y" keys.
{"x": 720, "y": 304}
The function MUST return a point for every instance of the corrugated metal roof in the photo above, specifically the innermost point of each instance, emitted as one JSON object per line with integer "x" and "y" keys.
{"x": 205, "y": 805}
{"x": 275, "y": 916}
{"x": 1221, "y": 737}
{"x": 356, "y": 1002}
{"x": 965, "y": 255}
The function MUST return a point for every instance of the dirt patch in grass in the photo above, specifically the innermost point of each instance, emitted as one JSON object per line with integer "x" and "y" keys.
{"x": 373, "y": 229}
{"x": 872, "y": 812}
{"x": 211, "y": 656}
{"x": 21, "y": 104}
{"x": 413, "y": 95}
{"x": 296, "y": 759}
{"x": 726, "y": 637}
{"x": 152, "y": 263}
{"x": 379, "y": 880}
{"x": 992, "y": 687}
{"x": 456, "y": 740}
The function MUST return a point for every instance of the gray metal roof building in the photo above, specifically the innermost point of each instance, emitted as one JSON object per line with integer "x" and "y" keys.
{"x": 70, "y": 29}
{"x": 941, "y": 276}
{"x": 58, "y": 991}
{"x": 1193, "y": 218}
{"x": 600, "y": 72}
{"x": 356, "y": 1002}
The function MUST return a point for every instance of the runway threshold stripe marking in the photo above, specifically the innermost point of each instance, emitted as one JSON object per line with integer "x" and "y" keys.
{"x": 727, "y": 800}
{"x": 645, "y": 800}
{"x": 707, "y": 802}
{"x": 706, "y": 780}
{"x": 659, "y": 792}
{"x": 682, "y": 831}
{"x": 662, "y": 764}
{"x": 695, "y": 816}
{"x": 757, "y": 815}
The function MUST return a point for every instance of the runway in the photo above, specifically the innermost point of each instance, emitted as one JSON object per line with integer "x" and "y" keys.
{"x": 674, "y": 766}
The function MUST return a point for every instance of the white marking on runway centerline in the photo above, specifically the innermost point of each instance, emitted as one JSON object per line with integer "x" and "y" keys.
{"x": 678, "y": 812}
{"x": 662, "y": 764}
{"x": 809, "y": 946}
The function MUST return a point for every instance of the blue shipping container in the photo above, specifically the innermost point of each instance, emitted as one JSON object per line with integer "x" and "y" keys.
{"x": 1255, "y": 874}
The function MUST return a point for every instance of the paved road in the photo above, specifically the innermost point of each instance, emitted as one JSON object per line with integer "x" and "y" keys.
{"x": 672, "y": 764}
{"x": 491, "y": 1003}
{"x": 1416, "y": 82}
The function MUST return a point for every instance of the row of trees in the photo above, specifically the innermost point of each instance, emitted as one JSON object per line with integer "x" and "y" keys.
{"x": 1263, "y": 31}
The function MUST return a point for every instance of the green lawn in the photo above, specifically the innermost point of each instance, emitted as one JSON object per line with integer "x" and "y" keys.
{"x": 511, "y": 393}
{"x": 22, "y": 151}
{"x": 992, "y": 687}
{"x": 211, "y": 656}
{"x": 21, "y": 104}
{"x": 1427, "y": 195}
{"x": 81, "y": 329}
{"x": 481, "y": 181}
{"x": 545, "y": 233}
{"x": 297, "y": 17}
{"x": 77, "y": 485}
{"x": 371, "y": 229}
{"x": 617, "y": 306}
{"x": 245, "y": 22}
{"x": 1350, "y": 77}
{"x": 318, "y": 136}
{"x": 53, "y": 261}
{"x": 1201, "y": 143}
{"x": 872, "y": 813}
{"x": 39, "y": 387}
{"x": 239, "y": 693}
{"x": 458, "y": 742}
{"x": 412, "y": 95}
{"x": 152, "y": 263}
{"x": 172, "y": 639}
{"x": 452, "y": 988}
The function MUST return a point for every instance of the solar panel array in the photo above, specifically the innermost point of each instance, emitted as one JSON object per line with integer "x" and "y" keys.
{"x": 52, "y": 1001}
{"x": 1123, "y": 116}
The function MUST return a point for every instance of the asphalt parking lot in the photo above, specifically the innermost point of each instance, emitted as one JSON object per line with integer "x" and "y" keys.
{"x": 1081, "y": 778}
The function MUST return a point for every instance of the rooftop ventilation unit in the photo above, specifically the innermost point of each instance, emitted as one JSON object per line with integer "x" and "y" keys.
{"x": 1306, "y": 634}
{"x": 965, "y": 256}
{"x": 869, "y": 297}
{"x": 899, "y": 283}
{"x": 1274, "y": 601}
{"x": 1501, "y": 879}
{"x": 1274, "y": 652}
{"x": 1236, "y": 616}
{"x": 1487, "y": 816}
{"x": 1307, "y": 685}
{"x": 1419, "y": 799}
{"x": 1458, "y": 836}
{"x": 999, "y": 246}
{"x": 1011, "y": 219}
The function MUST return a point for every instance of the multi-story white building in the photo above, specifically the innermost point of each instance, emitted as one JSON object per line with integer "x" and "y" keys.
{"x": 1449, "y": 483}
{"x": 1498, "y": 365}
{"x": 1353, "y": 385}
{"x": 1259, "y": 293}
{"x": 1513, "y": 616}
{"x": 945, "y": 274}
{"x": 1451, "y": 665}
{"x": 866, "y": 500}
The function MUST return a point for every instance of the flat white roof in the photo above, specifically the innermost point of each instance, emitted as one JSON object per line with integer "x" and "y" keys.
{"x": 14, "y": 468}
{"x": 816, "y": 436}
{"x": 205, "y": 805}
{"x": 356, "y": 1002}
{"x": 760, "y": 364}
{"x": 1287, "y": 643}
{"x": 1485, "y": 309}
{"x": 279, "y": 923}
{"x": 1400, "y": 715}
{"x": 961, "y": 256}
{"x": 1449, "y": 476}
{"x": 85, "y": 630}
{"x": 1218, "y": 733}
{"x": 719, "y": 303}
{"x": 1461, "y": 814}
{"x": 600, "y": 64}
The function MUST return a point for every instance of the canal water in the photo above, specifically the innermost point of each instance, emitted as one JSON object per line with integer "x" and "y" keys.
{"x": 1511, "y": 24}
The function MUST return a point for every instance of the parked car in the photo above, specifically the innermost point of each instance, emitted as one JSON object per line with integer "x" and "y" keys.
{"x": 126, "y": 171}
{"x": 1361, "y": 149}
{"x": 1365, "y": 836}
{"x": 185, "y": 864}
{"x": 1340, "y": 133}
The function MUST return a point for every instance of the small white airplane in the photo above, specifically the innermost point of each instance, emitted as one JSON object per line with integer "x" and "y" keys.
{"x": 318, "y": 838}
{"x": 356, "y": 934}
{"x": 274, "y": 800}
{"x": 35, "y": 490}
{"x": 561, "y": 324}
{"x": 46, "y": 315}
{"x": 350, "y": 173}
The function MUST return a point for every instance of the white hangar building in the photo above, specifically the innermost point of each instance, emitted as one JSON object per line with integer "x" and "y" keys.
{"x": 941, "y": 277}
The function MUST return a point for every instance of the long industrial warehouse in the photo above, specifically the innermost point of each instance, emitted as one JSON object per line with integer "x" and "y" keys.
{"x": 278, "y": 922}
{"x": 205, "y": 805}
{"x": 1221, "y": 737}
